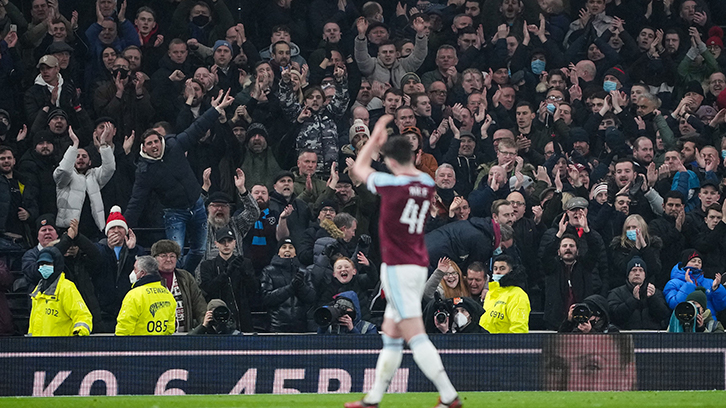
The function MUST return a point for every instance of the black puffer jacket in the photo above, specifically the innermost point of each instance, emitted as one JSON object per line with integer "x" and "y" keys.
{"x": 595, "y": 303}
{"x": 39, "y": 171}
{"x": 234, "y": 282}
{"x": 286, "y": 306}
{"x": 646, "y": 313}
{"x": 462, "y": 241}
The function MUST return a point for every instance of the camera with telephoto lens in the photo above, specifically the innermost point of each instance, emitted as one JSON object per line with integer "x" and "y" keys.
{"x": 581, "y": 313}
{"x": 221, "y": 314}
{"x": 686, "y": 314}
{"x": 326, "y": 315}
{"x": 442, "y": 308}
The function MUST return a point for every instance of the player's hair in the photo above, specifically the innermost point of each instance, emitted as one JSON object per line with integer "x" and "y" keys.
{"x": 498, "y": 203}
{"x": 344, "y": 220}
{"x": 398, "y": 148}
{"x": 148, "y": 264}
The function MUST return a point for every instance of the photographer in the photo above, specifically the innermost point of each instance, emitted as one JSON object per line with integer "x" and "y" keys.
{"x": 217, "y": 320}
{"x": 703, "y": 319}
{"x": 346, "y": 306}
{"x": 590, "y": 316}
{"x": 455, "y": 315}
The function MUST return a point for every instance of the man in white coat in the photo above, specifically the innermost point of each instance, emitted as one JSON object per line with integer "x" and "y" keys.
{"x": 75, "y": 180}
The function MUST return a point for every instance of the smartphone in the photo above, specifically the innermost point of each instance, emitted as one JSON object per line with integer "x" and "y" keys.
{"x": 13, "y": 28}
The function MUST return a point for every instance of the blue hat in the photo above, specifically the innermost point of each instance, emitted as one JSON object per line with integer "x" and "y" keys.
{"x": 46, "y": 257}
{"x": 221, "y": 43}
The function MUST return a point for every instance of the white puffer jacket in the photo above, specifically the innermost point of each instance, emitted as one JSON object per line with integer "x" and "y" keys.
{"x": 72, "y": 187}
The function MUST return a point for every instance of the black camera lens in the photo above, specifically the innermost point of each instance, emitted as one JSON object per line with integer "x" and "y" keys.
{"x": 221, "y": 314}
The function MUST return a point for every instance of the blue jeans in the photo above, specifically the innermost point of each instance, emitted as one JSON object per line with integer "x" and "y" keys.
{"x": 191, "y": 222}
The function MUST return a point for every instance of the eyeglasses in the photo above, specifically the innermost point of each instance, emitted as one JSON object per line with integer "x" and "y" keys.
{"x": 516, "y": 203}
{"x": 327, "y": 210}
{"x": 166, "y": 256}
{"x": 447, "y": 274}
{"x": 507, "y": 154}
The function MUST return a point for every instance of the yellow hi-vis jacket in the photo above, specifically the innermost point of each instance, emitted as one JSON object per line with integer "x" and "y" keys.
{"x": 506, "y": 310}
{"x": 59, "y": 311}
{"x": 148, "y": 309}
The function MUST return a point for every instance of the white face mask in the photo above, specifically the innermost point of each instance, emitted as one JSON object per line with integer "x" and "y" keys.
{"x": 496, "y": 278}
{"x": 132, "y": 278}
{"x": 460, "y": 320}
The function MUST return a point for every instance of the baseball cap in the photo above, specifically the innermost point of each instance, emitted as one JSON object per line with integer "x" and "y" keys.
{"x": 48, "y": 60}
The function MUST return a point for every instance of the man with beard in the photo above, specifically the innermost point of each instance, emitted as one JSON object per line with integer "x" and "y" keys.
{"x": 78, "y": 186}
{"x": 352, "y": 198}
{"x": 668, "y": 227}
{"x": 645, "y": 200}
{"x": 282, "y": 196}
{"x": 37, "y": 165}
{"x": 328, "y": 209}
{"x": 642, "y": 154}
{"x": 56, "y": 120}
{"x": 19, "y": 203}
{"x": 527, "y": 233}
{"x": 695, "y": 224}
{"x": 259, "y": 163}
{"x": 570, "y": 274}
{"x": 219, "y": 216}
{"x": 194, "y": 104}
{"x": 260, "y": 243}
{"x": 287, "y": 291}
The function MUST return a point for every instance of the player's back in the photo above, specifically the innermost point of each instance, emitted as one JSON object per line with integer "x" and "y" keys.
{"x": 405, "y": 202}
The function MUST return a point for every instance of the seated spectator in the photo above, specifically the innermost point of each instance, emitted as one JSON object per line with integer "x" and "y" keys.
{"x": 148, "y": 308}
{"x": 454, "y": 315}
{"x": 231, "y": 278}
{"x": 704, "y": 322}
{"x": 68, "y": 314}
{"x": 351, "y": 322}
{"x": 189, "y": 302}
{"x": 686, "y": 276}
{"x": 287, "y": 291}
{"x": 638, "y": 305}
{"x": 506, "y": 304}
{"x": 447, "y": 281}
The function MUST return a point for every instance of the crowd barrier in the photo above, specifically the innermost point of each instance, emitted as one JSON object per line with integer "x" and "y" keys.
{"x": 284, "y": 364}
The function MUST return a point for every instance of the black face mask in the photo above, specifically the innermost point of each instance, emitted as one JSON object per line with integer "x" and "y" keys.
{"x": 200, "y": 20}
{"x": 3, "y": 128}
{"x": 121, "y": 73}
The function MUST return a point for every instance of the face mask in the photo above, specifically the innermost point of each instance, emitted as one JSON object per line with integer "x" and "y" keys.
{"x": 631, "y": 234}
{"x": 537, "y": 66}
{"x": 497, "y": 278}
{"x": 132, "y": 278}
{"x": 723, "y": 153}
{"x": 200, "y": 20}
{"x": 3, "y": 128}
{"x": 45, "y": 270}
{"x": 609, "y": 86}
{"x": 122, "y": 73}
{"x": 551, "y": 108}
{"x": 460, "y": 320}
{"x": 497, "y": 251}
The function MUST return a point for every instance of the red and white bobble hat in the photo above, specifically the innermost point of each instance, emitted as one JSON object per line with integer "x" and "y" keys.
{"x": 115, "y": 218}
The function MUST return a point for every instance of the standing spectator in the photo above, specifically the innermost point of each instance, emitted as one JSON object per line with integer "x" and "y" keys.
{"x": 283, "y": 196}
{"x": 190, "y": 305}
{"x": 58, "y": 308}
{"x": 568, "y": 271}
{"x": 18, "y": 204}
{"x": 7, "y": 328}
{"x": 477, "y": 279}
{"x": 74, "y": 183}
{"x": 196, "y": 20}
{"x": 118, "y": 253}
{"x": 219, "y": 208}
{"x": 50, "y": 89}
{"x": 231, "y": 278}
{"x": 634, "y": 241}
{"x": 148, "y": 308}
{"x": 165, "y": 170}
{"x": 668, "y": 228}
{"x": 638, "y": 305}
{"x": 386, "y": 67}
{"x": 287, "y": 291}
{"x": 38, "y": 165}
{"x": 506, "y": 303}
{"x": 686, "y": 276}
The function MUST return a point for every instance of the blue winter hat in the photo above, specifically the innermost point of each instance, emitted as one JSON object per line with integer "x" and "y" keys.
{"x": 221, "y": 43}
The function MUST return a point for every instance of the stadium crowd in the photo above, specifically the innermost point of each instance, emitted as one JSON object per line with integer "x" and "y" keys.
{"x": 576, "y": 145}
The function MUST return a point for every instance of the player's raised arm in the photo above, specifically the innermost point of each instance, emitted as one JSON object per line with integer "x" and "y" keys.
{"x": 362, "y": 167}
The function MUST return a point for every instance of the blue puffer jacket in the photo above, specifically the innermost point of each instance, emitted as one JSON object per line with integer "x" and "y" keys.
{"x": 677, "y": 289}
